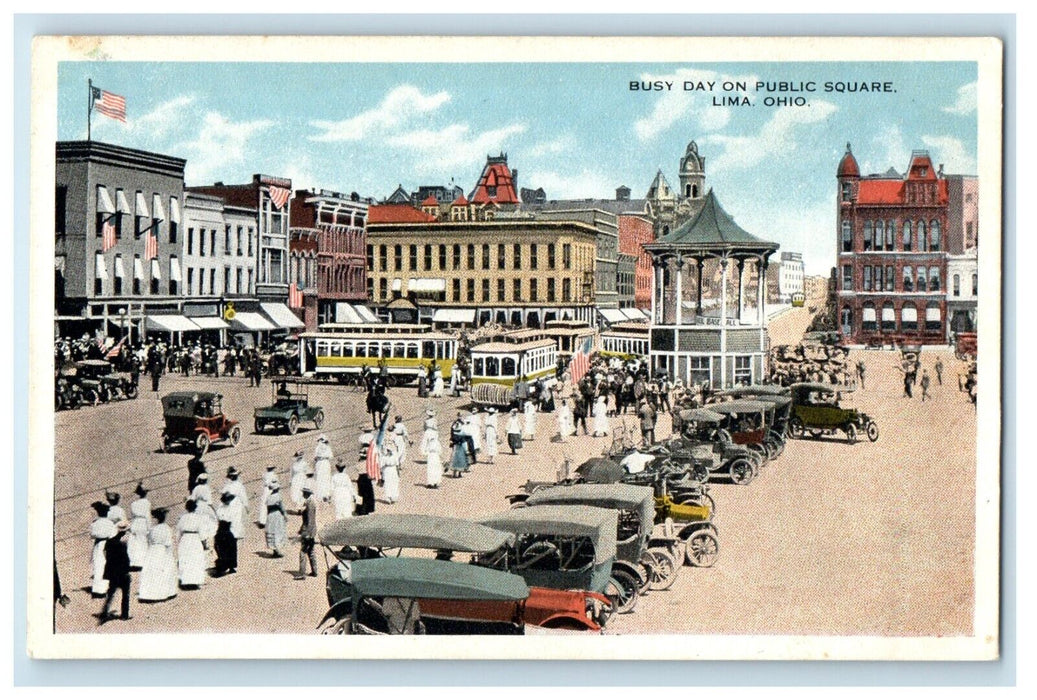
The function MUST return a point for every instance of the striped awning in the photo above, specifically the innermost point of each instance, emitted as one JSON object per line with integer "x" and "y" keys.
{"x": 613, "y": 315}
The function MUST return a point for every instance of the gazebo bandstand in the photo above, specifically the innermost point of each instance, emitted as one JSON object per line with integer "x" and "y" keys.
{"x": 706, "y": 340}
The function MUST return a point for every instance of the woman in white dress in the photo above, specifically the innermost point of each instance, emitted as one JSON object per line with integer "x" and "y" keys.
{"x": 191, "y": 556}
{"x": 565, "y": 420}
{"x": 437, "y": 384}
{"x": 473, "y": 428}
{"x": 140, "y": 523}
{"x": 100, "y": 530}
{"x": 202, "y": 496}
{"x": 159, "y": 575}
{"x": 431, "y": 428}
{"x": 530, "y": 415}
{"x": 342, "y": 496}
{"x": 401, "y": 436}
{"x": 299, "y": 469}
{"x": 514, "y": 431}
{"x": 269, "y": 477}
{"x": 601, "y": 417}
{"x": 390, "y": 460}
{"x": 276, "y": 520}
{"x": 491, "y": 434}
{"x": 322, "y": 457}
{"x": 433, "y": 460}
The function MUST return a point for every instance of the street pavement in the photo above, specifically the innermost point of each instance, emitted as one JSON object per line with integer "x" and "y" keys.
{"x": 831, "y": 538}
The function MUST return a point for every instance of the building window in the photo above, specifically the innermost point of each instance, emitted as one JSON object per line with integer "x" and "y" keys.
{"x": 238, "y": 282}
{"x": 500, "y": 290}
{"x": 470, "y": 256}
{"x": 533, "y": 256}
{"x": 889, "y": 317}
{"x": 190, "y": 281}
{"x": 428, "y": 257}
{"x": 457, "y": 289}
{"x": 173, "y": 226}
{"x": 975, "y": 285}
{"x": 240, "y": 248}
{"x": 226, "y": 280}
{"x": 550, "y": 289}
{"x": 878, "y": 235}
{"x": 370, "y": 257}
{"x": 457, "y": 256}
{"x": 868, "y": 319}
{"x": 567, "y": 256}
{"x": 921, "y": 282}
{"x": 933, "y": 316}
{"x": 227, "y": 241}
{"x": 383, "y": 258}
{"x": 867, "y": 278}
{"x": 890, "y": 230}
{"x": 909, "y": 317}
{"x": 533, "y": 291}
{"x": 567, "y": 291}
{"x": 397, "y": 257}
{"x": 867, "y": 235}
{"x": 471, "y": 289}
{"x": 847, "y": 278}
{"x": 212, "y": 281}
{"x": 908, "y": 279}
{"x": 907, "y": 235}
{"x": 934, "y": 279}
{"x": 383, "y": 288}
{"x": 920, "y": 235}
{"x": 957, "y": 285}
{"x": 442, "y": 257}
{"x": 846, "y": 320}
{"x": 847, "y": 191}
{"x": 413, "y": 251}
{"x": 889, "y": 278}
{"x": 743, "y": 369}
{"x": 486, "y": 256}
{"x": 516, "y": 252}
{"x": 250, "y": 244}
{"x": 516, "y": 290}
{"x": 847, "y": 236}
{"x": 550, "y": 256}
{"x": 485, "y": 289}
{"x": 934, "y": 235}
{"x": 251, "y": 282}
{"x": 212, "y": 243}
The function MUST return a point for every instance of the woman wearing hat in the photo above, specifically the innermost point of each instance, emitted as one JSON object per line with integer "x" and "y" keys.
{"x": 239, "y": 505}
{"x": 226, "y": 544}
{"x": 269, "y": 477}
{"x": 100, "y": 530}
{"x": 401, "y": 436}
{"x": 202, "y": 496}
{"x": 390, "y": 461}
{"x": 431, "y": 429}
{"x": 116, "y": 513}
{"x": 276, "y": 519}
{"x": 342, "y": 496}
{"x": 514, "y": 431}
{"x": 491, "y": 434}
{"x": 460, "y": 441}
{"x": 322, "y": 457}
{"x": 437, "y": 384}
{"x": 299, "y": 469}
{"x": 601, "y": 418}
{"x": 191, "y": 559}
{"x": 140, "y": 523}
{"x": 158, "y": 577}
{"x": 433, "y": 450}
{"x": 529, "y": 412}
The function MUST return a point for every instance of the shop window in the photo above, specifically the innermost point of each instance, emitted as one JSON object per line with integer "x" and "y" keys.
{"x": 909, "y": 317}
{"x": 743, "y": 369}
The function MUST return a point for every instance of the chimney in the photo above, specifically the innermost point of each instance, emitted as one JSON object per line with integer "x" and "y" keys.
{"x": 514, "y": 179}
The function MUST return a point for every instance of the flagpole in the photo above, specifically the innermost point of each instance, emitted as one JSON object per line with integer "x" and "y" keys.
{"x": 89, "y": 104}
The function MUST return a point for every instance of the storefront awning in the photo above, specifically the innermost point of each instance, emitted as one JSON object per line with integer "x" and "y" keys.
{"x": 251, "y": 321}
{"x": 170, "y": 324}
{"x": 932, "y": 313}
{"x": 282, "y": 316}
{"x": 454, "y": 316}
{"x": 426, "y": 284}
{"x": 366, "y": 314}
{"x": 209, "y": 322}
{"x": 613, "y": 315}
{"x": 633, "y": 314}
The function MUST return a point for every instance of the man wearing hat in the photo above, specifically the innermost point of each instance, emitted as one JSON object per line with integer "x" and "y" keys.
{"x": 195, "y": 466}
{"x": 117, "y": 571}
{"x": 234, "y": 486}
{"x": 307, "y": 532}
{"x": 226, "y": 543}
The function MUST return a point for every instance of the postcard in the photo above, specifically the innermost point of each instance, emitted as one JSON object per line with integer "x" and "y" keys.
{"x": 415, "y": 347}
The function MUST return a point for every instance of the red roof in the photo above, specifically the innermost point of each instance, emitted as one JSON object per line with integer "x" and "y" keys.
{"x": 848, "y": 165}
{"x": 921, "y": 167}
{"x": 495, "y": 175}
{"x": 430, "y": 201}
{"x": 460, "y": 202}
{"x": 397, "y": 214}
{"x": 891, "y": 192}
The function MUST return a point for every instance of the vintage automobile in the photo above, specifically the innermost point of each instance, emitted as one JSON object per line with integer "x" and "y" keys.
{"x": 67, "y": 394}
{"x": 965, "y": 345}
{"x": 746, "y": 421}
{"x": 816, "y": 411}
{"x": 291, "y": 406}
{"x": 196, "y": 419}
{"x": 566, "y": 547}
{"x": 707, "y": 450}
{"x": 654, "y": 564}
{"x": 100, "y": 383}
{"x": 777, "y": 416}
{"x": 376, "y": 535}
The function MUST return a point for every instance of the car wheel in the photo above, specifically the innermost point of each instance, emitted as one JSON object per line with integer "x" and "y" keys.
{"x": 131, "y": 391}
{"x": 163, "y": 445}
{"x": 90, "y": 397}
{"x": 318, "y": 420}
{"x": 796, "y": 428}
{"x": 625, "y": 591}
{"x": 873, "y": 431}
{"x": 257, "y": 426}
{"x": 664, "y": 569}
{"x": 333, "y": 626}
{"x": 741, "y": 471}
{"x": 235, "y": 435}
{"x": 702, "y": 549}
{"x": 851, "y": 433}
{"x": 293, "y": 425}
{"x": 700, "y": 473}
{"x": 201, "y": 443}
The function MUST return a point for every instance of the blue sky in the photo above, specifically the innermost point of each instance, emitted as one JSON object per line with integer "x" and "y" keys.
{"x": 576, "y": 130}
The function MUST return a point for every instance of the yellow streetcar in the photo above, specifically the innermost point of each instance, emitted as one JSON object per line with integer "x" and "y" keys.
{"x": 799, "y": 299}
{"x": 499, "y": 364}
{"x": 627, "y": 341}
{"x": 341, "y": 350}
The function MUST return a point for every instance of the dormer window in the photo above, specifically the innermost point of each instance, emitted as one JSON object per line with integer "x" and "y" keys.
{"x": 923, "y": 171}
{"x": 491, "y": 191}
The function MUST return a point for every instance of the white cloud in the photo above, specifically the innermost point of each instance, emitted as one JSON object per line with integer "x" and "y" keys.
{"x": 777, "y": 137}
{"x": 165, "y": 119}
{"x": 400, "y": 106}
{"x": 950, "y": 151}
{"x": 582, "y": 185}
{"x": 887, "y": 149}
{"x": 219, "y": 143}
{"x": 558, "y": 145}
{"x": 966, "y": 102}
{"x": 676, "y": 104}
{"x": 438, "y": 150}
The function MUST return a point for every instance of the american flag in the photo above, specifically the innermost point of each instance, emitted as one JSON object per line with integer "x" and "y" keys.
{"x": 107, "y": 235}
{"x": 150, "y": 247}
{"x": 294, "y": 296}
{"x": 374, "y": 449}
{"x": 114, "y": 352}
{"x": 581, "y": 361}
{"x": 109, "y": 104}
{"x": 279, "y": 195}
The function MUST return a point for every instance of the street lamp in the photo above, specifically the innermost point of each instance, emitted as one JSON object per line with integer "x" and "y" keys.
{"x": 122, "y": 322}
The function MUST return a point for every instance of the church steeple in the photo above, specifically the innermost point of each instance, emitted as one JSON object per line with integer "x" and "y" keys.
{"x": 692, "y": 173}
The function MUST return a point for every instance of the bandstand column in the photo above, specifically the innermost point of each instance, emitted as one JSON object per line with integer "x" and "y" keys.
{"x": 680, "y": 289}
{"x": 741, "y": 287}
{"x": 698, "y": 298}
{"x": 723, "y": 323}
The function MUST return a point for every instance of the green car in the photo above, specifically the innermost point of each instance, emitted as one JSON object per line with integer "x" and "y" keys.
{"x": 291, "y": 406}
{"x": 816, "y": 412}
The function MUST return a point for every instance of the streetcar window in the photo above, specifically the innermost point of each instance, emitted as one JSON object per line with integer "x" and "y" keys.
{"x": 322, "y": 348}
{"x": 386, "y": 350}
{"x": 428, "y": 349}
{"x": 336, "y": 349}
{"x": 492, "y": 367}
{"x": 347, "y": 349}
{"x": 399, "y": 350}
{"x": 508, "y": 367}
{"x": 478, "y": 367}
{"x": 412, "y": 351}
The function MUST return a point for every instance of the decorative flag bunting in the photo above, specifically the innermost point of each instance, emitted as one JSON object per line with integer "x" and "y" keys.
{"x": 294, "y": 296}
{"x": 107, "y": 235}
{"x": 150, "y": 247}
{"x": 374, "y": 449}
{"x": 581, "y": 361}
{"x": 109, "y": 104}
{"x": 279, "y": 195}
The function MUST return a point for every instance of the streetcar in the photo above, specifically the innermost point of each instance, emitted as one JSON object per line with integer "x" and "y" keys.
{"x": 502, "y": 362}
{"x": 570, "y": 336}
{"x": 627, "y": 341}
{"x": 799, "y": 299}
{"x": 340, "y": 350}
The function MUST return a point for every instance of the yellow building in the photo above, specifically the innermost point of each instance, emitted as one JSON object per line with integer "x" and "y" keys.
{"x": 458, "y": 265}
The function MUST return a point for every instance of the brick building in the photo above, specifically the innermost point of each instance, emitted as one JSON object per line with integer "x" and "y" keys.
{"x": 634, "y": 232}
{"x": 892, "y": 259}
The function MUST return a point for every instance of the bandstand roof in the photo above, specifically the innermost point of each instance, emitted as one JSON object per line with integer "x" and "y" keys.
{"x": 711, "y": 228}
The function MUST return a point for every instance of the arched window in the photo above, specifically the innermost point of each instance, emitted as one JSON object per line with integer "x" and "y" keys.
{"x": 920, "y": 231}
{"x": 934, "y": 279}
{"x": 907, "y": 235}
{"x": 867, "y": 235}
{"x": 934, "y": 235}
{"x": 921, "y": 279}
{"x": 889, "y": 278}
{"x": 847, "y": 236}
{"x": 957, "y": 285}
{"x": 932, "y": 316}
{"x": 687, "y": 190}
{"x": 889, "y": 318}
{"x": 878, "y": 235}
{"x": 889, "y": 235}
{"x": 909, "y": 317}
{"x": 868, "y": 320}
{"x": 909, "y": 281}
{"x": 846, "y": 320}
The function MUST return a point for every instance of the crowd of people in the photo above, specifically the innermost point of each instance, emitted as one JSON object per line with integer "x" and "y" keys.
{"x": 810, "y": 362}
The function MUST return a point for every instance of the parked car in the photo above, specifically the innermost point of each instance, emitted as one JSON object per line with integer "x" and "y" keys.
{"x": 816, "y": 411}
{"x": 291, "y": 406}
{"x": 196, "y": 419}
{"x": 100, "y": 383}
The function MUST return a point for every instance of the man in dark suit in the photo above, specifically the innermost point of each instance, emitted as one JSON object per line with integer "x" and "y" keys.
{"x": 117, "y": 571}
{"x": 307, "y": 533}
